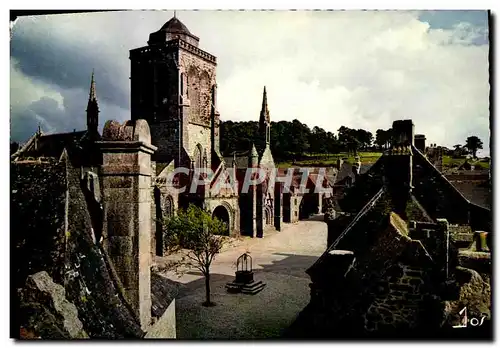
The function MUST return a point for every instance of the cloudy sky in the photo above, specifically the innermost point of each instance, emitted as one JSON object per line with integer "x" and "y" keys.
{"x": 328, "y": 69}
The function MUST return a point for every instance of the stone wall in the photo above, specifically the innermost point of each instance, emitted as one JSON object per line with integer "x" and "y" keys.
{"x": 200, "y": 79}
{"x": 165, "y": 136}
{"x": 400, "y": 301}
{"x": 199, "y": 135}
{"x": 154, "y": 84}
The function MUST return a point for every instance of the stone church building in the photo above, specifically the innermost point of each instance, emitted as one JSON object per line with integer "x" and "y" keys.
{"x": 174, "y": 88}
{"x": 99, "y": 198}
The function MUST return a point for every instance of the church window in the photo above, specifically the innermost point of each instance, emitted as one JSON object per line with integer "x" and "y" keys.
{"x": 198, "y": 156}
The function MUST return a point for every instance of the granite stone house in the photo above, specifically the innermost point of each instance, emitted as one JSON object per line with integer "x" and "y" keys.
{"x": 406, "y": 256}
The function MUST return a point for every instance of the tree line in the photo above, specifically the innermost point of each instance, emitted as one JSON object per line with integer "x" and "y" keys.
{"x": 291, "y": 138}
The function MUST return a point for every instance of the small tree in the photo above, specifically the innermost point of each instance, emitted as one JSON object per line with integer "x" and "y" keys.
{"x": 473, "y": 143}
{"x": 198, "y": 233}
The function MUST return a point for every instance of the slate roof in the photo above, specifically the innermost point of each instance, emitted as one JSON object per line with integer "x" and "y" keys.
{"x": 175, "y": 26}
{"x": 346, "y": 171}
{"x": 163, "y": 292}
{"x": 52, "y": 145}
{"x": 241, "y": 161}
{"x": 478, "y": 192}
{"x": 80, "y": 146}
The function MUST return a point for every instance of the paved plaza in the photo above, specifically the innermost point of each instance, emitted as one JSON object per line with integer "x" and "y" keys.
{"x": 279, "y": 260}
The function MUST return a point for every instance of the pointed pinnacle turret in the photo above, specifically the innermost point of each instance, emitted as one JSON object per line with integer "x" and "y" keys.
{"x": 254, "y": 152}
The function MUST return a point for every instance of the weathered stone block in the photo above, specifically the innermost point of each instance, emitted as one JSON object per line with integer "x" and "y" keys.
{"x": 44, "y": 296}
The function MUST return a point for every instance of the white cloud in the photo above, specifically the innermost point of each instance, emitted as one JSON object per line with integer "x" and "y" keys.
{"x": 353, "y": 68}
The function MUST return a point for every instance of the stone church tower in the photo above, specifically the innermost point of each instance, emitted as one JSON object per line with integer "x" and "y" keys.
{"x": 173, "y": 88}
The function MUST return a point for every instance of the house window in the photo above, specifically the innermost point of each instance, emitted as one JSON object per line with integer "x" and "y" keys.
{"x": 295, "y": 213}
{"x": 295, "y": 201}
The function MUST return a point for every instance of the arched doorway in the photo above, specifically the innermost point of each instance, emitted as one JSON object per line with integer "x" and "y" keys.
{"x": 164, "y": 210}
{"x": 222, "y": 213}
{"x": 268, "y": 216}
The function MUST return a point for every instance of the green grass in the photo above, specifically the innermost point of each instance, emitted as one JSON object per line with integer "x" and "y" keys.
{"x": 322, "y": 160}
{"x": 449, "y": 162}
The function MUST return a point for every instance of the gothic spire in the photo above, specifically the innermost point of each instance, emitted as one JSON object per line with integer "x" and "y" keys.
{"x": 92, "y": 108}
{"x": 264, "y": 112}
{"x": 92, "y": 94}
{"x": 264, "y": 123}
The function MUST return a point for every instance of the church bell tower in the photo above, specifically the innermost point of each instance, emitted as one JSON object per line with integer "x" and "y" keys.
{"x": 173, "y": 86}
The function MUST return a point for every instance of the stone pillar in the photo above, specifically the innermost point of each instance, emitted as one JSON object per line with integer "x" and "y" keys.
{"x": 443, "y": 243}
{"x": 126, "y": 174}
{"x": 329, "y": 218}
{"x": 278, "y": 205}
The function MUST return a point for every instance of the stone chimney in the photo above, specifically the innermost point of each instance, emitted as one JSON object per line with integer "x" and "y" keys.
{"x": 126, "y": 174}
{"x": 398, "y": 166}
{"x": 420, "y": 142}
{"x": 356, "y": 167}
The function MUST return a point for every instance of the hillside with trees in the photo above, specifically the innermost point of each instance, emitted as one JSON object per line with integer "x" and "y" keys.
{"x": 295, "y": 139}
{"x": 295, "y": 142}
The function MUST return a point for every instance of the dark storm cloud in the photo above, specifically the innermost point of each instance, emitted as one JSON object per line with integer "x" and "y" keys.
{"x": 68, "y": 66}
{"x": 53, "y": 118}
{"x": 23, "y": 125}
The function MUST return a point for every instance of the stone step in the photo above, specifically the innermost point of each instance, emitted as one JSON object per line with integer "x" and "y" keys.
{"x": 250, "y": 288}
{"x": 252, "y": 285}
{"x": 254, "y": 288}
